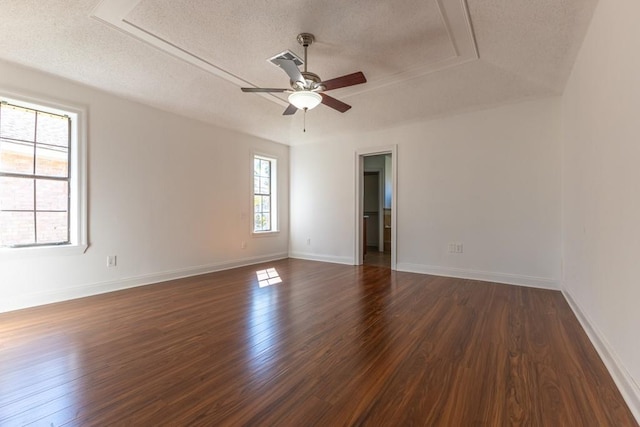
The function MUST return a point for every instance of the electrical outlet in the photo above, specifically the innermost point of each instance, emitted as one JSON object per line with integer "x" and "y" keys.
{"x": 243, "y": 245}
{"x": 112, "y": 260}
{"x": 308, "y": 241}
{"x": 455, "y": 248}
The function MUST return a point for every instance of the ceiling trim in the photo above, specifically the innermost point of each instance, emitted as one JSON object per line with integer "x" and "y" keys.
{"x": 454, "y": 14}
{"x": 457, "y": 21}
{"x": 114, "y": 12}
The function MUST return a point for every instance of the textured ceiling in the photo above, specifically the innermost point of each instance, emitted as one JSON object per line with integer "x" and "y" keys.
{"x": 422, "y": 58}
{"x": 205, "y": 27}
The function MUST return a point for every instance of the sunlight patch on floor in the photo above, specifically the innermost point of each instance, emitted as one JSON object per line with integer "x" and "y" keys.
{"x": 268, "y": 277}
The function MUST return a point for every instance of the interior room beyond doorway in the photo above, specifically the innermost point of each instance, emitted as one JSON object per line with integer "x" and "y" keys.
{"x": 377, "y": 209}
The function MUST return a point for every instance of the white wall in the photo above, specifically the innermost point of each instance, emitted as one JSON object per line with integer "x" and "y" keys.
{"x": 601, "y": 194}
{"x": 168, "y": 195}
{"x": 489, "y": 180}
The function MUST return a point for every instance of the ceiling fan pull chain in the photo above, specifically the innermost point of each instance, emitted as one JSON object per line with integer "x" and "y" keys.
{"x": 304, "y": 121}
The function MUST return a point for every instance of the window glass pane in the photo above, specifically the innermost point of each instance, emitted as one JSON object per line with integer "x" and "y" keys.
{"x": 16, "y": 157}
{"x": 258, "y": 222}
{"x": 16, "y": 228}
{"x": 266, "y": 203}
{"x": 17, "y": 123}
{"x": 16, "y": 194}
{"x": 52, "y": 129}
{"x": 256, "y": 185}
{"x": 52, "y": 161}
{"x": 257, "y": 203}
{"x": 51, "y": 195}
{"x": 51, "y": 227}
{"x": 266, "y": 222}
{"x": 264, "y": 186}
{"x": 256, "y": 167}
{"x": 265, "y": 168}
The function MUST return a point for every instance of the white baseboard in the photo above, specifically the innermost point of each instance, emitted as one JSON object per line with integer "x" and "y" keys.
{"x": 322, "y": 258}
{"x": 510, "y": 279}
{"x": 48, "y": 297}
{"x": 628, "y": 387}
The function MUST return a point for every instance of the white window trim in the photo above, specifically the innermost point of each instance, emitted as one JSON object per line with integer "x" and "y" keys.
{"x": 78, "y": 230}
{"x": 275, "y": 222}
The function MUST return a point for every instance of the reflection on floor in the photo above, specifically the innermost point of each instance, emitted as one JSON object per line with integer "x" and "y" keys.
{"x": 374, "y": 257}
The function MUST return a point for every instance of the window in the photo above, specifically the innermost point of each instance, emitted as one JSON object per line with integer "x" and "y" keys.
{"x": 264, "y": 194}
{"x": 40, "y": 186}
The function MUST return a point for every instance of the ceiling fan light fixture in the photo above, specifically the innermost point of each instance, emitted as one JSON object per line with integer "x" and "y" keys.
{"x": 305, "y": 99}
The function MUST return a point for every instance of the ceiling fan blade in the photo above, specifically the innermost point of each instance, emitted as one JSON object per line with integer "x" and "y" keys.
{"x": 291, "y": 69}
{"x": 291, "y": 109}
{"x": 262, "y": 89}
{"x": 334, "y": 103}
{"x": 344, "y": 81}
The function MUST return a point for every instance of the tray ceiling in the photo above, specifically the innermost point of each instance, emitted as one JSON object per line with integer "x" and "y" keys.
{"x": 435, "y": 35}
{"x": 422, "y": 58}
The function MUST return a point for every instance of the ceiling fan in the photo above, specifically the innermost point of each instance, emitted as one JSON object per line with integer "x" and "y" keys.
{"x": 307, "y": 88}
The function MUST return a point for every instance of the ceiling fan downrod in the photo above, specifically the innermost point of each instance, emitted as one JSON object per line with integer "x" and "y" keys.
{"x": 305, "y": 39}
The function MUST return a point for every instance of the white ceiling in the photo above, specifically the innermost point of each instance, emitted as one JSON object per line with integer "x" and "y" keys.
{"x": 422, "y": 58}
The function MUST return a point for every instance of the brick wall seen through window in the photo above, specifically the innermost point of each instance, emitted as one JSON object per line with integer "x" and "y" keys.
{"x": 34, "y": 176}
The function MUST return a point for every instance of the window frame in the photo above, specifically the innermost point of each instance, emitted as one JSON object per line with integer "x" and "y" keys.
{"x": 275, "y": 223}
{"x": 78, "y": 229}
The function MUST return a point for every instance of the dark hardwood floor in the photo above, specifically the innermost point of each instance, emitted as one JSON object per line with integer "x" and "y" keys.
{"x": 330, "y": 345}
{"x": 375, "y": 257}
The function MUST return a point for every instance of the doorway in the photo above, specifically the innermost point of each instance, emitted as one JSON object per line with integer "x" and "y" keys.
{"x": 375, "y": 237}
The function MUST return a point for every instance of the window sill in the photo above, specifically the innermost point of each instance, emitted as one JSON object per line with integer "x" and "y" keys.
{"x": 42, "y": 251}
{"x": 265, "y": 233}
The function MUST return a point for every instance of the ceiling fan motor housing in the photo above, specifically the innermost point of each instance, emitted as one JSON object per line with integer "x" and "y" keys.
{"x": 312, "y": 82}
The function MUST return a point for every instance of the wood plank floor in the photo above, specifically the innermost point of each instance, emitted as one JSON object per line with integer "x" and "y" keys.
{"x": 374, "y": 257}
{"x": 331, "y": 345}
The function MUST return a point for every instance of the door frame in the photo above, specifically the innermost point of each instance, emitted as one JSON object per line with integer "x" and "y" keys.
{"x": 359, "y": 156}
